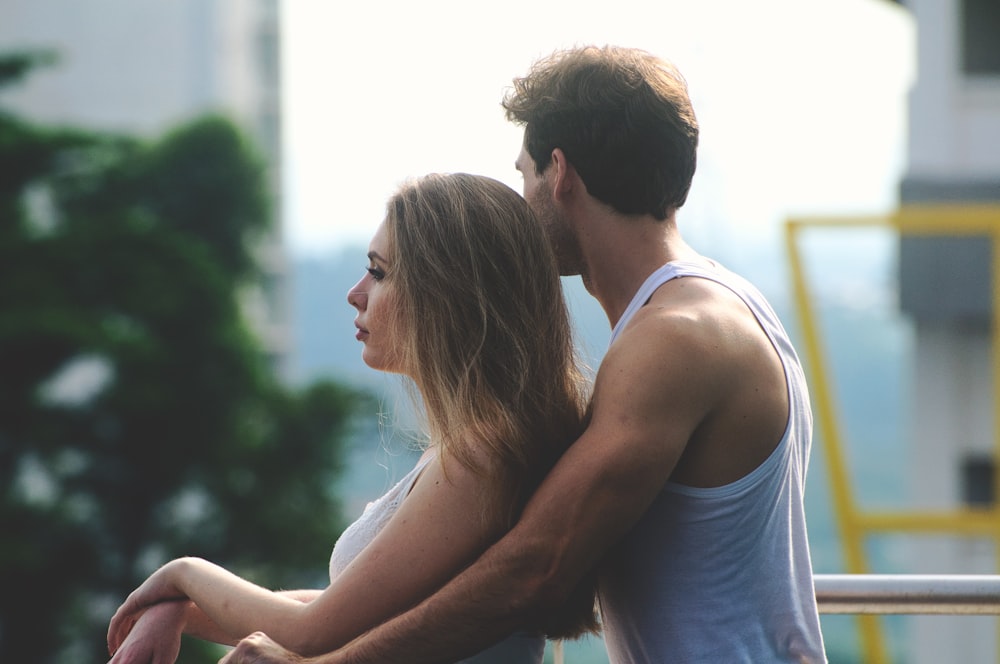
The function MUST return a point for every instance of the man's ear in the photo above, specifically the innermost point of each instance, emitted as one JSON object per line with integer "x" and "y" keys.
{"x": 564, "y": 176}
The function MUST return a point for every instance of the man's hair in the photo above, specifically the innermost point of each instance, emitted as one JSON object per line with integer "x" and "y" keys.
{"x": 622, "y": 117}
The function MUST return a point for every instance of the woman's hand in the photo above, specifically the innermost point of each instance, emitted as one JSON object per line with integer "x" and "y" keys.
{"x": 155, "y": 638}
{"x": 161, "y": 586}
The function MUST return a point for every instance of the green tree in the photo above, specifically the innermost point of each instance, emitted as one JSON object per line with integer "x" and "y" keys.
{"x": 138, "y": 418}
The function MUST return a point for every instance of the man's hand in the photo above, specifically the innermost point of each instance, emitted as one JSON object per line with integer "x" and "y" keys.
{"x": 258, "y": 648}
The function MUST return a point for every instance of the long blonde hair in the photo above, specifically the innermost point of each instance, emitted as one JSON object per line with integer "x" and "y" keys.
{"x": 484, "y": 331}
{"x": 485, "y": 335}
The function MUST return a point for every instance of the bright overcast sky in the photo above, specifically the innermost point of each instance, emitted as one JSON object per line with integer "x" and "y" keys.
{"x": 801, "y": 102}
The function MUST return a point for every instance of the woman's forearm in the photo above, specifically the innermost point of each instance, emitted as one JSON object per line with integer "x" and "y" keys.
{"x": 227, "y": 607}
{"x": 199, "y": 625}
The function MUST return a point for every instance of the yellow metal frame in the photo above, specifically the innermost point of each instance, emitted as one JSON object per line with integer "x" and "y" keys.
{"x": 853, "y": 522}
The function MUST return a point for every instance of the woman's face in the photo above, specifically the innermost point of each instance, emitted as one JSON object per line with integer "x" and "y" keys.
{"x": 374, "y": 298}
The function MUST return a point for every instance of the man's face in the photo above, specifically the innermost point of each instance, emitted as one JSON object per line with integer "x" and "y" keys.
{"x": 538, "y": 194}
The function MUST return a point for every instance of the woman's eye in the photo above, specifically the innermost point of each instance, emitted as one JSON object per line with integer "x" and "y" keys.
{"x": 377, "y": 274}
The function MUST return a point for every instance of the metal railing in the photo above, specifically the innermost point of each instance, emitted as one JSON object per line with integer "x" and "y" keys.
{"x": 955, "y": 594}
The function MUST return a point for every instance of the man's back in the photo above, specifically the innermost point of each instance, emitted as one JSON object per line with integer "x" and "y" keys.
{"x": 721, "y": 572}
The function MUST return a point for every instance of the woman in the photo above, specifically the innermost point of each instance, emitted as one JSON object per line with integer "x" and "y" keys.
{"x": 461, "y": 295}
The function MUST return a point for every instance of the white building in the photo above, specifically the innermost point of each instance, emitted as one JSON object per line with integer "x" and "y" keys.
{"x": 945, "y": 288}
{"x": 142, "y": 66}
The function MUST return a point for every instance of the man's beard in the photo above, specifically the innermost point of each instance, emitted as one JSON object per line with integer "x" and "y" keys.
{"x": 561, "y": 237}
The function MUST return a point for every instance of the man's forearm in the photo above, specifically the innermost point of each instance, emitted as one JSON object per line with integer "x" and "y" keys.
{"x": 481, "y": 606}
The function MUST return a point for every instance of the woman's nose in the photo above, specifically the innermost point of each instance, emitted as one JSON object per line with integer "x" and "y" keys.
{"x": 357, "y": 297}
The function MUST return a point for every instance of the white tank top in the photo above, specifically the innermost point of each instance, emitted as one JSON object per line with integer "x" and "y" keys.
{"x": 519, "y": 648}
{"x": 721, "y": 574}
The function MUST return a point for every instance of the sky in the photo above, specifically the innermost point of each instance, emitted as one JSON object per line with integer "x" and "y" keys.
{"x": 801, "y": 103}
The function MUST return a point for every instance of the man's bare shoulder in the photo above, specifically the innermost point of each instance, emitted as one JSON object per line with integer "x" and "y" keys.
{"x": 671, "y": 363}
{"x": 693, "y": 317}
{"x": 699, "y": 360}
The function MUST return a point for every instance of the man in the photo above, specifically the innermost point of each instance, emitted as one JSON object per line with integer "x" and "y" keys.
{"x": 687, "y": 486}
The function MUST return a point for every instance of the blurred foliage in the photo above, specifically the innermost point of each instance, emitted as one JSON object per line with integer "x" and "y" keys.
{"x": 139, "y": 420}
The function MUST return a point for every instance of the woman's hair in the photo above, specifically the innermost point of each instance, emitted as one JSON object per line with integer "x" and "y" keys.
{"x": 485, "y": 335}
{"x": 622, "y": 117}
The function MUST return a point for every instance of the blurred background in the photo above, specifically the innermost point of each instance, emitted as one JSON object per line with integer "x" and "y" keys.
{"x": 187, "y": 190}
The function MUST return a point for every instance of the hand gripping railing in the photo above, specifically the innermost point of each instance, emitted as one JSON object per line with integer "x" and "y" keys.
{"x": 958, "y": 594}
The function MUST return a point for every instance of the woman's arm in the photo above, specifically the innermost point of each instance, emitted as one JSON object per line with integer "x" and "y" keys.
{"x": 437, "y": 530}
{"x": 199, "y": 625}
{"x": 201, "y": 582}
{"x": 155, "y": 631}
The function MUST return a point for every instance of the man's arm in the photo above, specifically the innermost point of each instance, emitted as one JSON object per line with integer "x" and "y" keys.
{"x": 648, "y": 399}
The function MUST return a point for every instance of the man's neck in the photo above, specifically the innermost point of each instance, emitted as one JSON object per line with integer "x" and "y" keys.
{"x": 620, "y": 253}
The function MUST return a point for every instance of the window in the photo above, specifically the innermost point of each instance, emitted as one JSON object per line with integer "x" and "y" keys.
{"x": 977, "y": 481}
{"x": 981, "y": 37}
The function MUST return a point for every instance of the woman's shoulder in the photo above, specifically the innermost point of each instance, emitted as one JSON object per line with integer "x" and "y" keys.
{"x": 463, "y": 484}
